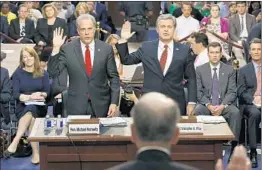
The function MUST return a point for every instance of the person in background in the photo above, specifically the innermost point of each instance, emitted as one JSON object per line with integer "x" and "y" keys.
{"x": 255, "y": 32}
{"x": 5, "y": 11}
{"x": 30, "y": 82}
{"x": 5, "y": 90}
{"x": 113, "y": 40}
{"x": 34, "y": 14}
{"x": 203, "y": 7}
{"x": 195, "y": 13}
{"x": 232, "y": 9}
{"x": 64, "y": 9}
{"x": 22, "y": 29}
{"x": 173, "y": 6}
{"x": 254, "y": 6}
{"x": 3, "y": 28}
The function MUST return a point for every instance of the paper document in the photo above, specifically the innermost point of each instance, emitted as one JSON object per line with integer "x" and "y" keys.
{"x": 210, "y": 119}
{"x": 72, "y": 117}
{"x": 39, "y": 103}
{"x": 114, "y": 121}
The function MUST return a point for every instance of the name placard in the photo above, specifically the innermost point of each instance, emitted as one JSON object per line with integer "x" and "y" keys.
{"x": 84, "y": 126}
{"x": 191, "y": 128}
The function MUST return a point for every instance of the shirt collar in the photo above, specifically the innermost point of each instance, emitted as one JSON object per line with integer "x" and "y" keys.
{"x": 170, "y": 45}
{"x": 212, "y": 66}
{"x": 244, "y": 15}
{"x": 91, "y": 45}
{"x": 145, "y": 148}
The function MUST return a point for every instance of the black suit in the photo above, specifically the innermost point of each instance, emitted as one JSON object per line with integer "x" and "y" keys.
{"x": 152, "y": 160}
{"x": 43, "y": 34}
{"x": 247, "y": 85}
{"x": 170, "y": 84}
{"x": 5, "y": 93}
{"x": 14, "y": 29}
{"x": 255, "y": 32}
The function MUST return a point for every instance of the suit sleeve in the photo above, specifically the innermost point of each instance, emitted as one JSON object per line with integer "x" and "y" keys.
{"x": 242, "y": 92}
{"x": 57, "y": 64}
{"x": 113, "y": 77}
{"x": 190, "y": 76}
{"x": 59, "y": 83}
{"x": 201, "y": 98}
{"x": 5, "y": 94}
{"x": 11, "y": 30}
{"x": 231, "y": 94}
{"x": 46, "y": 84}
{"x": 126, "y": 58}
{"x": 233, "y": 31}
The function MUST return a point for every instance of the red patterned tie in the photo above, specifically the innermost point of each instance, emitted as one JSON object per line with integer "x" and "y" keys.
{"x": 88, "y": 61}
{"x": 163, "y": 58}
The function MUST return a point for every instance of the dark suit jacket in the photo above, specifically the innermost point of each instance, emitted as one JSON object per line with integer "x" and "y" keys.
{"x": 247, "y": 84}
{"x": 255, "y": 32}
{"x": 227, "y": 84}
{"x": 104, "y": 72}
{"x": 14, "y": 29}
{"x": 101, "y": 15}
{"x": 5, "y": 93}
{"x": 59, "y": 83}
{"x": 4, "y": 27}
{"x": 235, "y": 27}
{"x": 152, "y": 160}
{"x": 41, "y": 33}
{"x": 195, "y": 14}
{"x": 182, "y": 66}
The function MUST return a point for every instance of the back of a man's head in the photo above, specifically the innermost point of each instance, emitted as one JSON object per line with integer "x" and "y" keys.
{"x": 155, "y": 117}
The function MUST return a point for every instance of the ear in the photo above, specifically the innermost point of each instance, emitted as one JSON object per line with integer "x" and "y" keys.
{"x": 133, "y": 133}
{"x": 175, "y": 138}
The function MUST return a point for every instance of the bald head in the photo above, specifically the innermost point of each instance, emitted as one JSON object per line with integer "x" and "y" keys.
{"x": 155, "y": 117}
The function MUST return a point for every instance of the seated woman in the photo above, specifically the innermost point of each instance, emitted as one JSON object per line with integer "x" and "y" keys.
{"x": 46, "y": 26}
{"x": 112, "y": 39}
{"x": 30, "y": 82}
{"x": 5, "y": 91}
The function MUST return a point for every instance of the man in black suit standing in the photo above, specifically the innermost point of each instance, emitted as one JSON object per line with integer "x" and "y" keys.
{"x": 166, "y": 63}
{"x": 22, "y": 29}
{"x": 249, "y": 93}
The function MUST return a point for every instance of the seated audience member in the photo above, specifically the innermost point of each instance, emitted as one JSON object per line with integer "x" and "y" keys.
{"x": 64, "y": 9}
{"x": 232, "y": 9}
{"x": 186, "y": 24}
{"x": 34, "y": 14}
{"x": 30, "y": 82}
{"x": 22, "y": 29}
{"x": 4, "y": 28}
{"x": 195, "y": 13}
{"x": 5, "y": 11}
{"x": 216, "y": 91}
{"x": 5, "y": 90}
{"x": 249, "y": 93}
{"x": 218, "y": 25}
{"x": 254, "y": 6}
{"x": 81, "y": 8}
{"x": 255, "y": 32}
{"x": 199, "y": 43}
{"x": 112, "y": 40}
{"x": 239, "y": 28}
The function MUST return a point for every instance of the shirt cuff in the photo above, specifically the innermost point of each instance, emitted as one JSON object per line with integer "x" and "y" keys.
{"x": 191, "y": 102}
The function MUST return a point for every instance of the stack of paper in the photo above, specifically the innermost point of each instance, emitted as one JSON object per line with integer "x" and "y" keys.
{"x": 77, "y": 117}
{"x": 35, "y": 102}
{"x": 114, "y": 121}
{"x": 210, "y": 119}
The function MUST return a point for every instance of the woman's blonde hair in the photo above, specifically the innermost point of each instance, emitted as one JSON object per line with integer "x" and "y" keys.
{"x": 49, "y": 5}
{"x": 111, "y": 37}
{"x": 38, "y": 71}
{"x": 81, "y": 5}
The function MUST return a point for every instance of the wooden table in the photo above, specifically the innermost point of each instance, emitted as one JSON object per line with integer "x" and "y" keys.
{"x": 113, "y": 147}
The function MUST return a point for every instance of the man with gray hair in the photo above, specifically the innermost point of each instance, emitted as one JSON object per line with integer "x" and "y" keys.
{"x": 94, "y": 84}
{"x": 166, "y": 63}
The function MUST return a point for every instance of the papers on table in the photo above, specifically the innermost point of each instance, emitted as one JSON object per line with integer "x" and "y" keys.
{"x": 77, "y": 117}
{"x": 114, "y": 121}
{"x": 211, "y": 119}
{"x": 35, "y": 102}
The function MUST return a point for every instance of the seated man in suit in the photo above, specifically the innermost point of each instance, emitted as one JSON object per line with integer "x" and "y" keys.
{"x": 22, "y": 29}
{"x": 249, "y": 93}
{"x": 152, "y": 139}
{"x": 255, "y": 32}
{"x": 216, "y": 90}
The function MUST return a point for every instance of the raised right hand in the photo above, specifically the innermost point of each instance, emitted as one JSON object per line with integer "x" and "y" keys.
{"x": 126, "y": 31}
{"x": 58, "y": 38}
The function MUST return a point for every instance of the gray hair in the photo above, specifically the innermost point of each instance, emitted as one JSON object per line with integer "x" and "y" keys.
{"x": 85, "y": 17}
{"x": 255, "y": 41}
{"x": 155, "y": 117}
{"x": 166, "y": 17}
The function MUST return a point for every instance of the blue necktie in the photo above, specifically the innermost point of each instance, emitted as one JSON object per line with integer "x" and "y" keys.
{"x": 215, "y": 88}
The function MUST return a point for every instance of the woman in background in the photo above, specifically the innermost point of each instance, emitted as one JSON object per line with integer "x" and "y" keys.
{"x": 30, "y": 82}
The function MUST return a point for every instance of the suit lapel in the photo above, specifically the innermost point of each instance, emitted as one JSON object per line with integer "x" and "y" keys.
{"x": 253, "y": 76}
{"x": 97, "y": 53}
{"x": 156, "y": 64}
{"x": 17, "y": 26}
{"x": 79, "y": 55}
{"x": 221, "y": 79}
{"x": 175, "y": 50}
{"x": 209, "y": 76}
{"x": 26, "y": 26}
{"x": 238, "y": 22}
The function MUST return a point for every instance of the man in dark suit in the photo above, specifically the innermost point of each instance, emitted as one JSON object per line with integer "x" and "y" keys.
{"x": 94, "y": 84}
{"x": 153, "y": 140}
{"x": 216, "y": 91}
{"x": 240, "y": 26}
{"x": 4, "y": 27}
{"x": 22, "y": 29}
{"x": 166, "y": 63}
{"x": 255, "y": 32}
{"x": 249, "y": 93}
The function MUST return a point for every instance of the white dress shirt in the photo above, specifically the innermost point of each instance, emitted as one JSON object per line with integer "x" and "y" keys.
{"x": 91, "y": 48}
{"x": 212, "y": 71}
{"x": 186, "y": 26}
{"x": 161, "y": 49}
{"x": 244, "y": 33}
{"x": 201, "y": 59}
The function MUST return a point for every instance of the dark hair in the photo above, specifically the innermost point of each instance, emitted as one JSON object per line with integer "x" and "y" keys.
{"x": 231, "y": 4}
{"x": 186, "y": 3}
{"x": 200, "y": 38}
{"x": 214, "y": 44}
{"x": 255, "y": 41}
{"x": 241, "y": 2}
{"x": 3, "y": 56}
